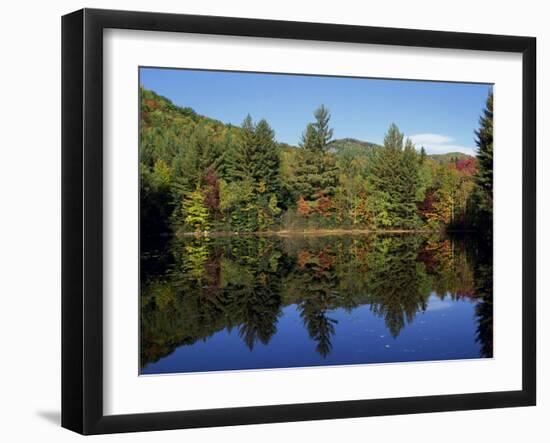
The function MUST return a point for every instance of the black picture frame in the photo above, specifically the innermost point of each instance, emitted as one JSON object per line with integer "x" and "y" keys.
{"x": 82, "y": 220}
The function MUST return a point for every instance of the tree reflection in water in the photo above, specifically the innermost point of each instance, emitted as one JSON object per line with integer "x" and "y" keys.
{"x": 192, "y": 288}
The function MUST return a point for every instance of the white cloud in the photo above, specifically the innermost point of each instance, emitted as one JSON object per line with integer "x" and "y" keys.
{"x": 439, "y": 144}
{"x": 429, "y": 139}
{"x": 443, "y": 149}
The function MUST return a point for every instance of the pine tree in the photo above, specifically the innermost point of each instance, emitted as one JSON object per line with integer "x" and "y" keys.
{"x": 408, "y": 183}
{"x": 256, "y": 161}
{"x": 322, "y": 130}
{"x": 257, "y": 157}
{"x": 393, "y": 138}
{"x": 316, "y": 171}
{"x": 305, "y": 179}
{"x": 481, "y": 200}
{"x": 266, "y": 161}
{"x": 484, "y": 142}
{"x": 309, "y": 138}
{"x": 228, "y": 160}
{"x": 393, "y": 174}
{"x": 241, "y": 156}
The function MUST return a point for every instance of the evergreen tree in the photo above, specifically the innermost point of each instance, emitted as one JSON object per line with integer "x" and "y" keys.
{"x": 383, "y": 168}
{"x": 229, "y": 148}
{"x": 240, "y": 157}
{"x": 266, "y": 161}
{"x": 393, "y": 174}
{"x": 257, "y": 157}
{"x": 393, "y": 138}
{"x": 322, "y": 130}
{"x": 305, "y": 178}
{"x": 256, "y": 163}
{"x": 309, "y": 138}
{"x": 200, "y": 153}
{"x": 408, "y": 183}
{"x": 316, "y": 171}
{"x": 481, "y": 200}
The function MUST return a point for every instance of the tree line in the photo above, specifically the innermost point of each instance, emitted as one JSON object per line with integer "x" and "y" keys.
{"x": 198, "y": 174}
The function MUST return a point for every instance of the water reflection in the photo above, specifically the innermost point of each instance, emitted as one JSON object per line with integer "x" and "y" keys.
{"x": 304, "y": 300}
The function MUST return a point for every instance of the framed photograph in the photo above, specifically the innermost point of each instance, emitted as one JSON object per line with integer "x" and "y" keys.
{"x": 268, "y": 221}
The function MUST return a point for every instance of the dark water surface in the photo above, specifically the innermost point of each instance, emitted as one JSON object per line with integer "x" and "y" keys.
{"x": 250, "y": 302}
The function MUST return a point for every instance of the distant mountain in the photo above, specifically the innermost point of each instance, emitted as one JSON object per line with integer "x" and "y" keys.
{"x": 353, "y": 142}
{"x": 360, "y": 147}
{"x": 352, "y": 145}
{"x": 449, "y": 157}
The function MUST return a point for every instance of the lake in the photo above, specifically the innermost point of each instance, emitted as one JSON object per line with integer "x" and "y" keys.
{"x": 256, "y": 302}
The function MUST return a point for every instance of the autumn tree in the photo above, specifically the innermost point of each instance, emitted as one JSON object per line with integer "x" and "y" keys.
{"x": 303, "y": 207}
{"x": 195, "y": 212}
{"x": 212, "y": 192}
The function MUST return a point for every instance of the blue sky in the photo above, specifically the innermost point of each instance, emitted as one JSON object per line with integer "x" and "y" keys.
{"x": 440, "y": 116}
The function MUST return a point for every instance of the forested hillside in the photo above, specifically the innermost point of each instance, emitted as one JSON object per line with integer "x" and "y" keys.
{"x": 198, "y": 174}
{"x": 450, "y": 157}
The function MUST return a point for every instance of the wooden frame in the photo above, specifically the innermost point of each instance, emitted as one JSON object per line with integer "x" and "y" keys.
{"x": 82, "y": 218}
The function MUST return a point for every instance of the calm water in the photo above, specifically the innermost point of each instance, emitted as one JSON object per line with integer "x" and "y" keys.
{"x": 248, "y": 302}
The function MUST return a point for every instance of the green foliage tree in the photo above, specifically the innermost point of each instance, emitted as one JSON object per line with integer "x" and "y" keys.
{"x": 195, "y": 212}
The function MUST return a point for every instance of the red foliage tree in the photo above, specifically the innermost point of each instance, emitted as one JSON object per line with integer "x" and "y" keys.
{"x": 426, "y": 207}
{"x": 324, "y": 205}
{"x": 303, "y": 258}
{"x": 303, "y": 207}
{"x": 212, "y": 191}
{"x": 466, "y": 165}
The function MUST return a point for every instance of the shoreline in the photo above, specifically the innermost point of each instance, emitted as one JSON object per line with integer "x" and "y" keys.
{"x": 309, "y": 232}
